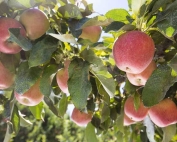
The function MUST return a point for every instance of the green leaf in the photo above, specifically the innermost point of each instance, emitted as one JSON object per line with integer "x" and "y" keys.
{"x": 37, "y": 111}
{"x": 78, "y": 83}
{"x": 63, "y": 104}
{"x": 45, "y": 81}
{"x": 136, "y": 4}
{"x": 90, "y": 133}
{"x": 114, "y": 26}
{"x": 158, "y": 4}
{"x": 105, "y": 78}
{"x": 173, "y": 63}
{"x": 157, "y": 85}
{"x": 24, "y": 122}
{"x": 168, "y": 132}
{"x": 25, "y": 3}
{"x": 70, "y": 11}
{"x": 136, "y": 100}
{"x": 129, "y": 88}
{"x": 51, "y": 106}
{"x": 105, "y": 113}
{"x": 89, "y": 55}
{"x": 118, "y": 15}
{"x": 16, "y": 37}
{"x": 42, "y": 51}
{"x": 15, "y": 119}
{"x": 26, "y": 77}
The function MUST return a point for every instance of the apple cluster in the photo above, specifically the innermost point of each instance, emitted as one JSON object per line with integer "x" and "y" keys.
{"x": 32, "y": 23}
{"x": 133, "y": 52}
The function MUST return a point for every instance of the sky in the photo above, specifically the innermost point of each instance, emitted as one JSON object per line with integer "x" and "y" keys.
{"x": 102, "y": 6}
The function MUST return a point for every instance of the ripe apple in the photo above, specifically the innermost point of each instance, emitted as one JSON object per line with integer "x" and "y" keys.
{"x": 164, "y": 113}
{"x": 6, "y": 77}
{"x": 5, "y": 46}
{"x": 132, "y": 113}
{"x": 80, "y": 118}
{"x": 128, "y": 121}
{"x": 133, "y": 51}
{"x": 32, "y": 97}
{"x": 141, "y": 78}
{"x": 91, "y": 33}
{"x": 35, "y": 23}
{"x": 63, "y": 76}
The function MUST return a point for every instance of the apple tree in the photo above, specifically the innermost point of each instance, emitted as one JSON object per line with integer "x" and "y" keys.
{"x": 115, "y": 73}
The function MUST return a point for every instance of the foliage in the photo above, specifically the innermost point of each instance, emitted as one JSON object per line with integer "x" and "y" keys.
{"x": 95, "y": 83}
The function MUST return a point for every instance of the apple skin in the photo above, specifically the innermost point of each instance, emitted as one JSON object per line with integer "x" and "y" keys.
{"x": 63, "y": 76}
{"x": 128, "y": 121}
{"x": 141, "y": 78}
{"x": 132, "y": 113}
{"x": 91, "y": 33}
{"x": 5, "y": 46}
{"x": 32, "y": 97}
{"x": 164, "y": 113}
{"x": 133, "y": 51}
{"x": 35, "y": 23}
{"x": 80, "y": 118}
{"x": 6, "y": 77}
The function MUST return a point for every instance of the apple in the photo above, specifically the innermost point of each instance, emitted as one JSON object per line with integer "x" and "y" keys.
{"x": 63, "y": 76}
{"x": 133, "y": 51}
{"x": 32, "y": 97}
{"x": 35, "y": 22}
{"x": 5, "y": 46}
{"x": 91, "y": 33}
{"x": 132, "y": 113}
{"x": 128, "y": 121}
{"x": 80, "y": 118}
{"x": 6, "y": 77}
{"x": 164, "y": 113}
{"x": 141, "y": 78}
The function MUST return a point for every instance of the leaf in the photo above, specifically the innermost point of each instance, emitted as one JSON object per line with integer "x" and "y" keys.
{"x": 89, "y": 55}
{"x": 15, "y": 119}
{"x": 70, "y": 11}
{"x": 26, "y": 77}
{"x": 25, "y": 3}
{"x": 37, "y": 111}
{"x": 158, "y": 4}
{"x": 64, "y": 38}
{"x": 105, "y": 113}
{"x": 63, "y": 104}
{"x": 78, "y": 83}
{"x": 16, "y": 37}
{"x": 45, "y": 81}
{"x": 42, "y": 51}
{"x": 149, "y": 128}
{"x": 118, "y": 15}
{"x": 136, "y": 4}
{"x": 90, "y": 133}
{"x": 51, "y": 106}
{"x": 173, "y": 63}
{"x": 129, "y": 88}
{"x": 114, "y": 26}
{"x": 168, "y": 132}
{"x": 24, "y": 122}
{"x": 157, "y": 85}
{"x": 105, "y": 78}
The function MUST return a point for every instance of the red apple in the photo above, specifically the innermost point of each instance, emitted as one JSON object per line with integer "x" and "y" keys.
{"x": 35, "y": 22}
{"x": 5, "y": 46}
{"x": 128, "y": 121}
{"x": 80, "y": 118}
{"x": 91, "y": 33}
{"x": 32, "y": 97}
{"x": 63, "y": 76}
{"x": 132, "y": 113}
{"x": 141, "y": 78}
{"x": 164, "y": 113}
{"x": 6, "y": 77}
{"x": 133, "y": 51}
